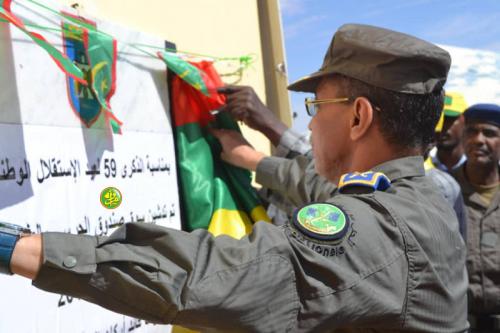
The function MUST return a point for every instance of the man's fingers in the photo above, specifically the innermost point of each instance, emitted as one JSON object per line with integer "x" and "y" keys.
{"x": 229, "y": 89}
{"x": 239, "y": 113}
{"x": 223, "y": 108}
{"x": 235, "y": 96}
{"x": 216, "y": 132}
{"x": 221, "y": 133}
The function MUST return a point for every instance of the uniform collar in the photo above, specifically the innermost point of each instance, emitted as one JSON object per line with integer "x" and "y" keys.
{"x": 412, "y": 166}
{"x": 468, "y": 191}
{"x": 467, "y": 187}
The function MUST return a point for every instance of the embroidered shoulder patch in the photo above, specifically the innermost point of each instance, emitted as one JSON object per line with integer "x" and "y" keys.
{"x": 321, "y": 221}
{"x": 376, "y": 181}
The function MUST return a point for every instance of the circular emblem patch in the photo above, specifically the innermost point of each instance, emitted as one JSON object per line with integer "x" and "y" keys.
{"x": 111, "y": 197}
{"x": 322, "y": 221}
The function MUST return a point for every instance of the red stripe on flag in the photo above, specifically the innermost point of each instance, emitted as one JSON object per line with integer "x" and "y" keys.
{"x": 194, "y": 106}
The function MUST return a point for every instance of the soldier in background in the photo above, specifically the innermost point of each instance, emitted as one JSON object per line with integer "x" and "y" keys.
{"x": 449, "y": 149}
{"x": 479, "y": 179}
{"x": 448, "y": 155}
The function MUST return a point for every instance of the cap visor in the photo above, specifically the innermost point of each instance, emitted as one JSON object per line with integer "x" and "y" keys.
{"x": 308, "y": 83}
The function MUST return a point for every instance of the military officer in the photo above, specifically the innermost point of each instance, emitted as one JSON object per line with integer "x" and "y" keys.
{"x": 375, "y": 254}
{"x": 479, "y": 179}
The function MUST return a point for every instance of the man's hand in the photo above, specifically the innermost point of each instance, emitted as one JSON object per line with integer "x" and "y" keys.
{"x": 244, "y": 105}
{"x": 236, "y": 150}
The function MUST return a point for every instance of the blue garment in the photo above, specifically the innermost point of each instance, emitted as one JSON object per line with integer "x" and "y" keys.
{"x": 450, "y": 189}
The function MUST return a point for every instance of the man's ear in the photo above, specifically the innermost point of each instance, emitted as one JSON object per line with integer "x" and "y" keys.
{"x": 362, "y": 118}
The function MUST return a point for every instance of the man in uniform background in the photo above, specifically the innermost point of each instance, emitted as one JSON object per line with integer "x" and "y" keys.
{"x": 377, "y": 252}
{"x": 479, "y": 179}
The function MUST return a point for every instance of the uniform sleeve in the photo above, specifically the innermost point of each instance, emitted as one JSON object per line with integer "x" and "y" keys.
{"x": 295, "y": 179}
{"x": 169, "y": 276}
{"x": 293, "y": 144}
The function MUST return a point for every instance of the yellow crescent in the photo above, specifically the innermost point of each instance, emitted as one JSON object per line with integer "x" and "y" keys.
{"x": 97, "y": 68}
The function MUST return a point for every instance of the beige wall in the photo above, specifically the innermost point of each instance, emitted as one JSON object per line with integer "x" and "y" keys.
{"x": 215, "y": 27}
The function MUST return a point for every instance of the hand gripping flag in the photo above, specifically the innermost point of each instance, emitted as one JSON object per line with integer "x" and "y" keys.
{"x": 62, "y": 61}
{"x": 214, "y": 195}
{"x": 95, "y": 54}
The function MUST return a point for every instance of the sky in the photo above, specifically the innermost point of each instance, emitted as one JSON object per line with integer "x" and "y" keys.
{"x": 308, "y": 27}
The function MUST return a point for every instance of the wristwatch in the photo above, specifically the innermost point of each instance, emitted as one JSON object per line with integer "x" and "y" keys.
{"x": 9, "y": 235}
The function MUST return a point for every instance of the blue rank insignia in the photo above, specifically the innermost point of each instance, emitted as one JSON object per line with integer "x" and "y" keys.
{"x": 321, "y": 221}
{"x": 376, "y": 181}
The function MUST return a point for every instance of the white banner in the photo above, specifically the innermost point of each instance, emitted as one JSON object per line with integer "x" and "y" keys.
{"x": 53, "y": 168}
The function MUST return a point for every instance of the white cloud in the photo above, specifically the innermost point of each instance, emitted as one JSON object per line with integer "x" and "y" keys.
{"x": 304, "y": 24}
{"x": 474, "y": 73}
{"x": 291, "y": 7}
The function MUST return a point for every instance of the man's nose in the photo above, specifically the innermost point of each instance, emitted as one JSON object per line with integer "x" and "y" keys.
{"x": 479, "y": 138}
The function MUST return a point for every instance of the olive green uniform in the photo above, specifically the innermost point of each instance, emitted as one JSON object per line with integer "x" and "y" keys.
{"x": 483, "y": 249}
{"x": 399, "y": 268}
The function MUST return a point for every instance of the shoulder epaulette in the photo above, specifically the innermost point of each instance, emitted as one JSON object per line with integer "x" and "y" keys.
{"x": 376, "y": 181}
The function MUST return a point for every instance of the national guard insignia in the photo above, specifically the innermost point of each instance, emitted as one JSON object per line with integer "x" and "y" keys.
{"x": 95, "y": 54}
{"x": 82, "y": 99}
{"x": 321, "y": 221}
{"x": 375, "y": 181}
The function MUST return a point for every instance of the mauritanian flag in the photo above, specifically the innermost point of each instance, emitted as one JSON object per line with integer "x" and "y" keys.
{"x": 214, "y": 195}
{"x": 62, "y": 61}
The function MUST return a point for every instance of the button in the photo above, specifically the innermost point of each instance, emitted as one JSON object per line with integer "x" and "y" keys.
{"x": 69, "y": 262}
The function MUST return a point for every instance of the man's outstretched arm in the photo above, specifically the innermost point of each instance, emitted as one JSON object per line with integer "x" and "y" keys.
{"x": 169, "y": 276}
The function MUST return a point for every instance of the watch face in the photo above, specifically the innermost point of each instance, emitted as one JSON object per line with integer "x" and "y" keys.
{"x": 13, "y": 228}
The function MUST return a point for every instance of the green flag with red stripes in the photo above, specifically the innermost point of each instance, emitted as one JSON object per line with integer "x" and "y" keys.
{"x": 214, "y": 195}
{"x": 62, "y": 61}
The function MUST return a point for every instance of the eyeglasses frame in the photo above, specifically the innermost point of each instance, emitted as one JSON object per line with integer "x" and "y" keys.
{"x": 312, "y": 102}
